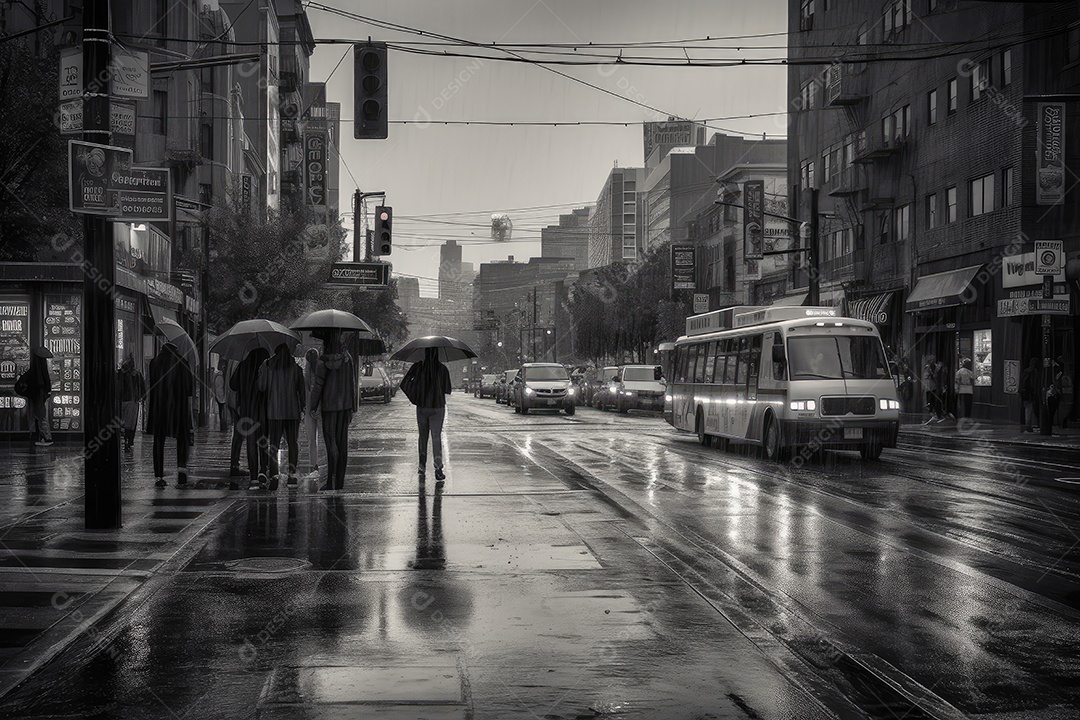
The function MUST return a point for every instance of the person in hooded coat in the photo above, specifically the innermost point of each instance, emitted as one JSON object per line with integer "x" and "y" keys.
{"x": 431, "y": 380}
{"x": 168, "y": 413}
{"x": 333, "y": 392}
{"x": 283, "y": 382}
{"x": 132, "y": 391}
{"x": 39, "y": 391}
{"x": 251, "y": 407}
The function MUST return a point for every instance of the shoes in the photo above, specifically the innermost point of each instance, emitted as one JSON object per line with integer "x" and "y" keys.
{"x": 274, "y": 482}
{"x": 254, "y": 485}
{"x": 929, "y": 421}
{"x": 235, "y": 471}
{"x": 951, "y": 416}
{"x": 439, "y": 474}
{"x": 160, "y": 482}
{"x": 292, "y": 481}
{"x": 234, "y": 486}
{"x": 44, "y": 443}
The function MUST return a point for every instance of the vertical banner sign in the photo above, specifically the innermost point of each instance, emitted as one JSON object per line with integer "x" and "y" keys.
{"x": 315, "y": 168}
{"x": 245, "y": 194}
{"x": 753, "y": 218}
{"x": 1012, "y": 377}
{"x": 683, "y": 260}
{"x": 71, "y": 85}
{"x": 1050, "y": 149}
{"x": 14, "y": 339}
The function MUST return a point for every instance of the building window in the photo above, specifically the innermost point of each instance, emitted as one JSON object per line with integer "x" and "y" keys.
{"x": 1006, "y": 67}
{"x": 206, "y": 141}
{"x": 931, "y": 211}
{"x": 806, "y": 15}
{"x": 849, "y": 152}
{"x": 1007, "y": 187}
{"x": 160, "y": 116}
{"x": 896, "y": 16}
{"x": 980, "y": 79}
{"x": 902, "y": 223}
{"x": 952, "y": 97}
{"x": 981, "y": 195}
{"x": 864, "y": 35}
{"x": 1072, "y": 45}
{"x": 826, "y": 167}
{"x": 950, "y": 204}
{"x": 931, "y": 6}
{"x": 895, "y": 128}
{"x": 931, "y": 104}
{"x": 806, "y": 175}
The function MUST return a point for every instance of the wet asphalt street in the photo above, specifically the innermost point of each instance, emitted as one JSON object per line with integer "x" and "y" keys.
{"x": 600, "y": 566}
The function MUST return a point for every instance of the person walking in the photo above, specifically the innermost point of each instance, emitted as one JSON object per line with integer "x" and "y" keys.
{"x": 930, "y": 387}
{"x": 311, "y": 420}
{"x": 217, "y": 392}
{"x": 333, "y": 393}
{"x": 429, "y": 384}
{"x": 283, "y": 382}
{"x": 964, "y": 385}
{"x": 251, "y": 409}
{"x": 1030, "y": 394}
{"x": 132, "y": 393}
{"x": 169, "y": 412}
{"x": 232, "y": 403}
{"x": 38, "y": 392}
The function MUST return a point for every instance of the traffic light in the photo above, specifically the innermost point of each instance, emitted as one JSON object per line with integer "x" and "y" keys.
{"x": 384, "y": 239}
{"x": 370, "y": 106}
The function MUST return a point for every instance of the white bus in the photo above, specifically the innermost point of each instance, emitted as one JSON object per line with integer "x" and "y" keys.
{"x": 784, "y": 378}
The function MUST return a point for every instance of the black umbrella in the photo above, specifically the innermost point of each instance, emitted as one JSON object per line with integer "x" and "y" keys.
{"x": 367, "y": 342}
{"x": 449, "y": 349}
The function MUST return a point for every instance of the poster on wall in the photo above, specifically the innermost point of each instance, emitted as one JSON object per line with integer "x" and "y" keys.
{"x": 63, "y": 338}
{"x": 14, "y": 359}
{"x": 1012, "y": 377}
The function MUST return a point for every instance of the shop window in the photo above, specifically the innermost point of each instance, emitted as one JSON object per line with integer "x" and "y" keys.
{"x": 981, "y": 349}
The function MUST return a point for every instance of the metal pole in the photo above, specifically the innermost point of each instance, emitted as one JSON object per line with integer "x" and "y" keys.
{"x": 813, "y": 296}
{"x": 101, "y": 426}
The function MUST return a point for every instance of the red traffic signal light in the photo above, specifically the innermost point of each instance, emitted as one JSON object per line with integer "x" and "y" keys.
{"x": 370, "y": 105}
{"x": 384, "y": 239}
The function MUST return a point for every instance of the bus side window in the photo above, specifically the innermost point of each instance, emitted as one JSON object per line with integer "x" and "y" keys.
{"x": 681, "y": 356}
{"x": 720, "y": 364}
{"x": 744, "y": 356}
{"x": 710, "y": 362}
{"x": 702, "y": 359}
{"x": 731, "y": 352}
{"x": 755, "y": 360}
{"x": 779, "y": 358}
{"x": 691, "y": 366}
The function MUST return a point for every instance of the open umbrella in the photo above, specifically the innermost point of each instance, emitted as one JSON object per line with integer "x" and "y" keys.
{"x": 450, "y": 349}
{"x": 247, "y": 335}
{"x": 367, "y": 342}
{"x": 175, "y": 334}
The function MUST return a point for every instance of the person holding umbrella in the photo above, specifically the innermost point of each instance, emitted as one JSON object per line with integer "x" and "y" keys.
{"x": 132, "y": 392}
{"x": 38, "y": 391}
{"x": 251, "y": 405}
{"x": 311, "y": 420}
{"x": 169, "y": 412}
{"x": 427, "y": 384}
{"x": 333, "y": 393}
{"x": 283, "y": 382}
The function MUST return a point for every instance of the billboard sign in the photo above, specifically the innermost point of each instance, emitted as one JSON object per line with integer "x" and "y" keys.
{"x": 143, "y": 193}
{"x": 683, "y": 262}
{"x": 753, "y": 219}
{"x": 1050, "y": 154}
{"x": 315, "y": 142}
{"x": 360, "y": 274}
{"x": 90, "y": 171}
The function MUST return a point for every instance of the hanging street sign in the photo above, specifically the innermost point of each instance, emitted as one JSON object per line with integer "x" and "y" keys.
{"x": 90, "y": 170}
{"x": 359, "y": 274}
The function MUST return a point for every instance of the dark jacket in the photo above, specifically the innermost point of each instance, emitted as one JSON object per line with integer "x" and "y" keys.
{"x": 132, "y": 385}
{"x": 171, "y": 387}
{"x": 334, "y": 386}
{"x": 39, "y": 378}
{"x": 250, "y": 401}
{"x": 283, "y": 382}
{"x": 432, "y": 383}
{"x": 1030, "y": 384}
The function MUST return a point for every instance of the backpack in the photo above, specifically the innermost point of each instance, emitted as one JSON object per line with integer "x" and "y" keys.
{"x": 22, "y": 385}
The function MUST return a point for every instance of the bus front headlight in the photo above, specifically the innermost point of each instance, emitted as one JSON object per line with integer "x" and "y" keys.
{"x": 800, "y": 405}
{"x": 887, "y": 404}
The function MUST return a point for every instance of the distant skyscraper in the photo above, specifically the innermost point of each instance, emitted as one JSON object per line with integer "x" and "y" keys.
{"x": 568, "y": 239}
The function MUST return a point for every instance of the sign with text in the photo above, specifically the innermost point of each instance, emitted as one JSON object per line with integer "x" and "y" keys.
{"x": 1019, "y": 270}
{"x": 1049, "y": 257}
{"x": 360, "y": 274}
{"x": 63, "y": 338}
{"x": 130, "y": 77}
{"x": 753, "y": 219}
{"x": 121, "y": 119}
{"x": 315, "y": 142}
{"x": 1050, "y": 154}
{"x": 90, "y": 171}
{"x": 143, "y": 193}
{"x": 683, "y": 262}
{"x": 14, "y": 338}
{"x": 672, "y": 132}
{"x": 71, "y": 85}
{"x": 1011, "y": 373}
{"x": 701, "y": 303}
{"x": 1016, "y": 307}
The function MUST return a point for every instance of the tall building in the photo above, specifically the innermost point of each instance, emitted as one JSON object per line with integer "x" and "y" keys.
{"x": 944, "y": 175}
{"x": 568, "y": 239}
{"x": 615, "y": 224}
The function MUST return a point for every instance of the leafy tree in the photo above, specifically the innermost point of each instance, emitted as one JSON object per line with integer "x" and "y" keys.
{"x": 33, "y": 155}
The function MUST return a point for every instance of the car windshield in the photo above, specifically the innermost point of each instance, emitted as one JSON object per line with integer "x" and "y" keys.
{"x": 489, "y": 379}
{"x": 836, "y": 357}
{"x": 637, "y": 374}
{"x": 546, "y": 373}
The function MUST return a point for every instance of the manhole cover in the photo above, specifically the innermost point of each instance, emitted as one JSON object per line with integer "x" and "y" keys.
{"x": 268, "y": 565}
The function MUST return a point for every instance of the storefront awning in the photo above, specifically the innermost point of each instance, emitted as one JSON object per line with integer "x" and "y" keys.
{"x": 159, "y": 313}
{"x": 873, "y": 309}
{"x": 944, "y": 289}
{"x": 827, "y": 298}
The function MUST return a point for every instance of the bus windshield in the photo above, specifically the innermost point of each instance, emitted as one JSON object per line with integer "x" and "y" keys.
{"x": 546, "y": 372}
{"x": 836, "y": 357}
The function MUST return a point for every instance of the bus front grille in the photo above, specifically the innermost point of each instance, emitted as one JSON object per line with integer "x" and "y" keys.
{"x": 836, "y": 406}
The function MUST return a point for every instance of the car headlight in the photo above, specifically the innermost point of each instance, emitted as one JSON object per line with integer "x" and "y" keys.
{"x": 570, "y": 391}
{"x": 528, "y": 391}
{"x": 887, "y": 404}
{"x": 627, "y": 393}
{"x": 667, "y": 398}
{"x": 799, "y": 405}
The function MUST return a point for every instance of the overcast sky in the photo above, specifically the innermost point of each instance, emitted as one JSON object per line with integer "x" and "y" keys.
{"x": 463, "y": 174}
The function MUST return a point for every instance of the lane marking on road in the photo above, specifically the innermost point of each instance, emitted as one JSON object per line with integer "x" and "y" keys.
{"x": 1069, "y": 480}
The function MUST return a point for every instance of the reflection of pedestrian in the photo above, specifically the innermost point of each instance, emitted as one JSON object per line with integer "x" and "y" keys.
{"x": 311, "y": 420}
{"x": 430, "y": 548}
{"x": 333, "y": 392}
{"x": 251, "y": 407}
{"x": 132, "y": 392}
{"x": 432, "y": 383}
{"x": 38, "y": 394}
{"x": 1030, "y": 391}
{"x": 964, "y": 384}
{"x": 169, "y": 410}
{"x": 283, "y": 382}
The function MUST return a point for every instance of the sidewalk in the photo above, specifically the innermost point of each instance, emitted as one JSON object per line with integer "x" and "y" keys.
{"x": 989, "y": 431}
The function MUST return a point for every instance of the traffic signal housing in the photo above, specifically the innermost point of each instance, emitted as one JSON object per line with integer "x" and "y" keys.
{"x": 384, "y": 238}
{"x": 370, "y": 106}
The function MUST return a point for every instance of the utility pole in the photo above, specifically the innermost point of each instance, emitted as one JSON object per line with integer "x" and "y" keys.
{"x": 100, "y": 406}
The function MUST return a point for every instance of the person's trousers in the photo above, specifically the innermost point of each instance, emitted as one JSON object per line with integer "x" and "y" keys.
{"x": 258, "y": 450}
{"x": 430, "y": 422}
{"x": 335, "y": 425}
{"x": 964, "y": 401}
{"x": 159, "y": 455}
{"x": 39, "y": 419}
{"x": 291, "y": 429}
{"x": 129, "y": 414}
{"x": 223, "y": 417}
{"x": 237, "y": 440}
{"x": 311, "y": 429}
{"x": 1031, "y": 415}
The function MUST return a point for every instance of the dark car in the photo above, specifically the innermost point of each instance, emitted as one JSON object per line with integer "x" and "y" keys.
{"x": 605, "y": 394}
{"x": 502, "y": 390}
{"x": 543, "y": 386}
{"x": 375, "y": 383}
{"x": 487, "y": 386}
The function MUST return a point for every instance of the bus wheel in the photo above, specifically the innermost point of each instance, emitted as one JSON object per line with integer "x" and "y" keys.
{"x": 870, "y": 451}
{"x": 699, "y": 425}
{"x": 771, "y": 444}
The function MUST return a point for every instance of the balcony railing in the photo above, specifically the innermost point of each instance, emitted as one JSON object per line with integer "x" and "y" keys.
{"x": 847, "y": 182}
{"x": 870, "y": 145}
